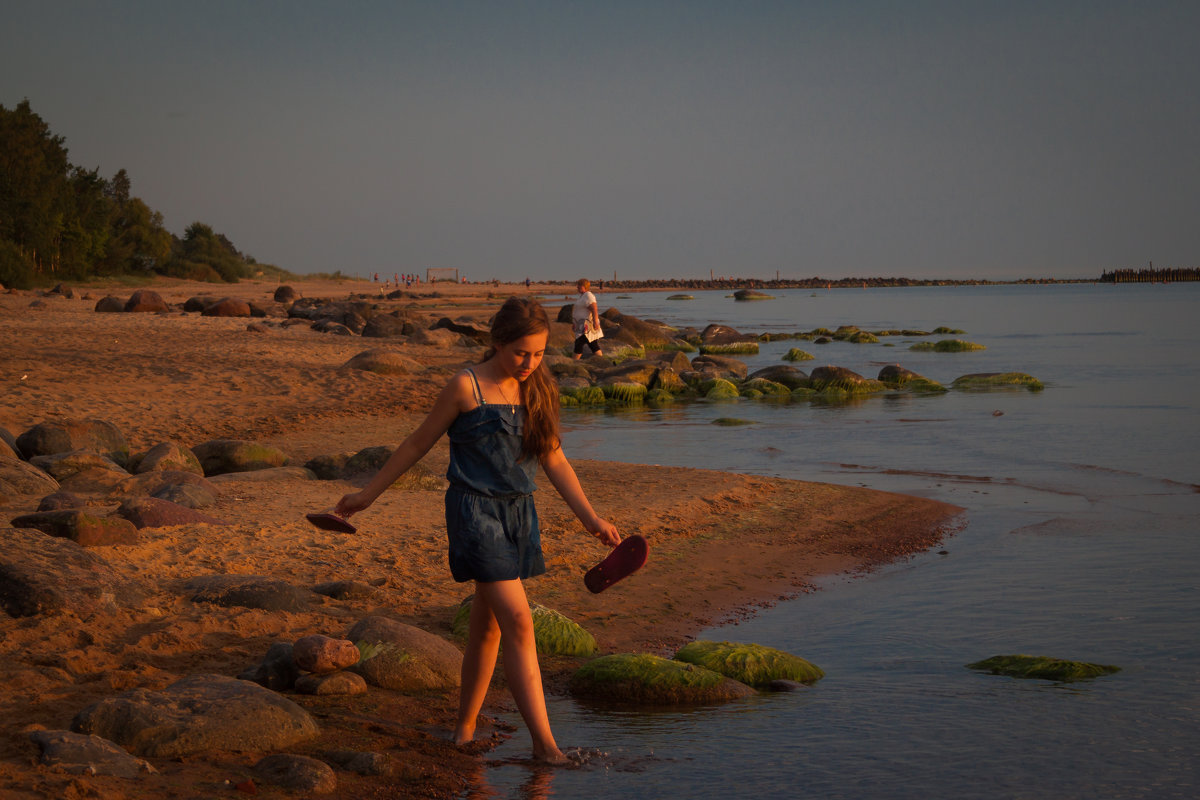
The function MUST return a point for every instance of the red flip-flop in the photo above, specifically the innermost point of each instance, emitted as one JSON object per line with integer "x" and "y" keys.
{"x": 331, "y": 522}
{"x": 624, "y": 560}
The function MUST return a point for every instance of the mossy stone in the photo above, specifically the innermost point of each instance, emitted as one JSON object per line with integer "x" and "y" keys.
{"x": 722, "y": 389}
{"x": 553, "y": 633}
{"x": 983, "y": 381}
{"x": 590, "y": 396}
{"x": 625, "y": 393}
{"x": 942, "y": 330}
{"x": 659, "y": 397}
{"x": 730, "y": 348}
{"x": 644, "y": 679}
{"x": 732, "y": 421}
{"x": 752, "y": 664}
{"x": 796, "y": 354}
{"x": 681, "y": 297}
{"x": 862, "y": 337}
{"x": 1051, "y": 669}
{"x": 947, "y": 346}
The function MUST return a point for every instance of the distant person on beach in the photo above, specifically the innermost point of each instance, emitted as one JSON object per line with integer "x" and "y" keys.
{"x": 585, "y": 320}
{"x": 502, "y": 419}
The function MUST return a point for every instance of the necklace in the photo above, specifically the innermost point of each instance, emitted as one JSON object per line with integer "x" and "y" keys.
{"x": 511, "y": 405}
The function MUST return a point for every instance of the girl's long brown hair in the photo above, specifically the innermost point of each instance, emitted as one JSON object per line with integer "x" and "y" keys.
{"x": 517, "y": 318}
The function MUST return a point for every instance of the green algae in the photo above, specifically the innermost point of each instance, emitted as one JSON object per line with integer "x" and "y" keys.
{"x": 765, "y": 387}
{"x": 1051, "y": 669}
{"x": 984, "y": 381}
{"x": 722, "y": 389}
{"x": 651, "y": 680}
{"x": 624, "y": 393}
{"x": 590, "y": 396}
{"x": 947, "y": 346}
{"x": 659, "y": 397}
{"x": 732, "y": 421}
{"x": 731, "y": 348}
{"x": 862, "y": 337}
{"x": 796, "y": 354}
{"x": 681, "y": 297}
{"x": 751, "y": 664}
{"x": 942, "y": 330}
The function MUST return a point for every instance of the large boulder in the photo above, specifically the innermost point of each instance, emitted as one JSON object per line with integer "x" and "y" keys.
{"x": 389, "y": 326}
{"x": 227, "y": 307}
{"x": 152, "y": 512}
{"x": 169, "y": 455}
{"x": 81, "y": 527}
{"x": 440, "y": 337}
{"x": 789, "y": 376}
{"x": 146, "y": 300}
{"x": 157, "y": 483}
{"x": 553, "y": 633}
{"x": 752, "y": 664}
{"x": 247, "y": 591}
{"x": 61, "y": 466}
{"x": 220, "y": 456}
{"x": 1044, "y": 667}
{"x": 18, "y": 477}
{"x": 467, "y": 327}
{"x": 83, "y": 754}
{"x": 42, "y": 574}
{"x": 899, "y": 377}
{"x": 647, "y": 680}
{"x": 62, "y": 436}
{"x": 404, "y": 658}
{"x": 199, "y": 714}
{"x": 727, "y": 367}
{"x": 651, "y": 335}
{"x": 839, "y": 378}
{"x": 722, "y": 339}
{"x": 285, "y": 294}
{"x": 383, "y": 362}
{"x": 110, "y": 305}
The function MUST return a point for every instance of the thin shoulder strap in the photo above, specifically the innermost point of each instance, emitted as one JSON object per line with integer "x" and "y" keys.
{"x": 478, "y": 393}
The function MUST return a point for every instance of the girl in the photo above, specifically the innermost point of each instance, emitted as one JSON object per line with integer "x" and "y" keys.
{"x": 502, "y": 417}
{"x": 584, "y": 318}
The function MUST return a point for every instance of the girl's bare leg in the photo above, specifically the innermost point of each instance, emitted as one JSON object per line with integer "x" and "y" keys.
{"x": 509, "y": 607}
{"x": 479, "y": 662}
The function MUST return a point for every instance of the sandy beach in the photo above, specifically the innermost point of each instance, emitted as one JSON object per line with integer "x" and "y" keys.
{"x": 721, "y": 544}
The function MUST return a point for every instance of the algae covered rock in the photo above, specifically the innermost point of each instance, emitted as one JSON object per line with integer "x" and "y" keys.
{"x": 765, "y": 386}
{"x": 644, "y": 679}
{"x": 553, "y": 633}
{"x": 751, "y": 664}
{"x": 839, "y": 378}
{"x": 1051, "y": 669}
{"x": 625, "y": 393}
{"x": 984, "y": 381}
{"x": 947, "y": 346}
{"x": 796, "y": 354}
{"x": 721, "y": 389}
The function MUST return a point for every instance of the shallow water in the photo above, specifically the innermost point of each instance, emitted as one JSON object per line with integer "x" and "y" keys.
{"x": 1081, "y": 542}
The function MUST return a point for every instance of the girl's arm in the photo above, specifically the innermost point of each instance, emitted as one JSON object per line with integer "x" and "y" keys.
{"x": 595, "y": 315}
{"x": 563, "y": 476}
{"x": 456, "y": 397}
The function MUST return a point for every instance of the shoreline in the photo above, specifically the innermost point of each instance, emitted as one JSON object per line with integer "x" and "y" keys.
{"x": 722, "y": 544}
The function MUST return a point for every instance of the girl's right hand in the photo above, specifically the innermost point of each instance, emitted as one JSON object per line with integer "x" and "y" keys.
{"x": 351, "y": 504}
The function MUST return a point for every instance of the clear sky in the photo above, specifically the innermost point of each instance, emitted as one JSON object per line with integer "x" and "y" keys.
{"x": 648, "y": 139}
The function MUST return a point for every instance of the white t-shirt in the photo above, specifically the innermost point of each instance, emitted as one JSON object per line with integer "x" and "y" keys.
{"x": 582, "y": 310}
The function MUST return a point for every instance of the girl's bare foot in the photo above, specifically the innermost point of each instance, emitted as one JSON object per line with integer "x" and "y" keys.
{"x": 463, "y": 736}
{"x": 552, "y": 756}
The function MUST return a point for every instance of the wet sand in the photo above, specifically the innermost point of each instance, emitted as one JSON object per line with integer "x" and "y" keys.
{"x": 721, "y": 544}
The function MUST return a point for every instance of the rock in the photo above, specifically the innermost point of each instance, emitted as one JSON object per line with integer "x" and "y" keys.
{"x": 757, "y": 387}
{"x": 146, "y": 300}
{"x": 40, "y": 574}
{"x": 258, "y": 327}
{"x": 383, "y": 362}
{"x": 731, "y": 369}
{"x": 439, "y": 337}
{"x": 650, "y": 335}
{"x": 721, "y": 389}
{"x": 406, "y": 659}
{"x": 722, "y": 339}
{"x": 187, "y": 495}
{"x": 247, "y": 591}
{"x": 824, "y": 378}
{"x": 362, "y": 763}
{"x": 554, "y": 634}
{"x": 327, "y": 467}
{"x": 19, "y": 477}
{"x": 200, "y": 303}
{"x": 480, "y": 334}
{"x": 169, "y": 455}
{"x": 263, "y": 475}
{"x": 332, "y": 683}
{"x": 623, "y": 392}
{"x": 227, "y": 307}
{"x": 363, "y": 465}
{"x": 296, "y": 773}
{"x": 1051, "y": 669}
{"x": 345, "y": 590}
{"x": 638, "y": 371}
{"x": 947, "y": 346}
{"x": 898, "y": 377}
{"x": 751, "y": 294}
{"x": 201, "y": 713}
{"x": 153, "y": 512}
{"x": 61, "y": 500}
{"x": 285, "y": 294}
{"x": 157, "y": 483}
{"x": 110, "y": 305}
{"x": 751, "y": 664}
{"x": 668, "y": 380}
{"x": 220, "y": 456}
{"x": 61, "y": 466}
{"x": 790, "y": 377}
{"x": 95, "y": 481}
{"x": 796, "y": 354}
{"x": 329, "y": 326}
{"x": 276, "y": 671}
{"x": 322, "y": 654}
{"x": 63, "y": 436}
{"x": 83, "y": 754}
{"x": 389, "y": 326}
{"x": 644, "y": 679}
{"x": 986, "y": 381}
{"x": 86, "y": 530}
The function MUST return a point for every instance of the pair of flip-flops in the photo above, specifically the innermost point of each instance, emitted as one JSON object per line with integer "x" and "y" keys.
{"x": 624, "y": 560}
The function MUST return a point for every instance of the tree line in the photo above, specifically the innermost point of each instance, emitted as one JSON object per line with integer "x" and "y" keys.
{"x": 61, "y": 222}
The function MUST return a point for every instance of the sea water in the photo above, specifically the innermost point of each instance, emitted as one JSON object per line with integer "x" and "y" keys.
{"x": 1081, "y": 541}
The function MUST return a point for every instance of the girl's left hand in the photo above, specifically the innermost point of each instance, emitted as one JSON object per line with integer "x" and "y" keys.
{"x": 605, "y": 531}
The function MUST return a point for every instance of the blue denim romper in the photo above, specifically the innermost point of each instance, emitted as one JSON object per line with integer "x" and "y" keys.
{"x": 491, "y": 521}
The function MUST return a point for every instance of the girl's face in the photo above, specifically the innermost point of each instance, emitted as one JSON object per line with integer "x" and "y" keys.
{"x": 519, "y": 358}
